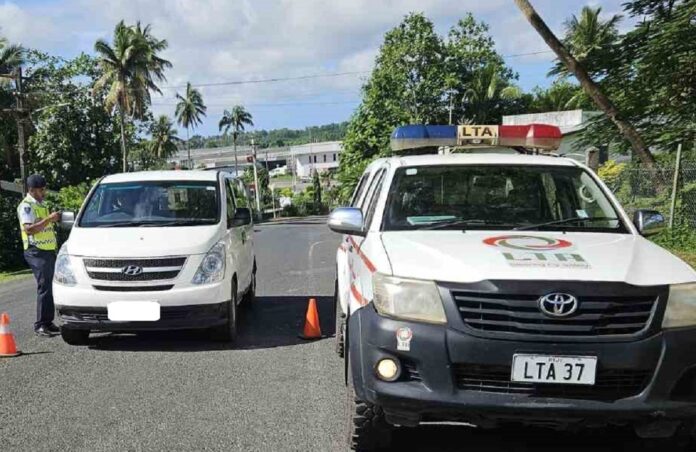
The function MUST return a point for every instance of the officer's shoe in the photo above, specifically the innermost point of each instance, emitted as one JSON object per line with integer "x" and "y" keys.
{"x": 44, "y": 331}
{"x": 52, "y": 328}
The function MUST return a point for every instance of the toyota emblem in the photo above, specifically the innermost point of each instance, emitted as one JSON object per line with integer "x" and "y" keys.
{"x": 132, "y": 270}
{"x": 558, "y": 304}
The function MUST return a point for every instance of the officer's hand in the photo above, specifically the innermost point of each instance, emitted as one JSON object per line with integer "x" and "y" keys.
{"x": 54, "y": 217}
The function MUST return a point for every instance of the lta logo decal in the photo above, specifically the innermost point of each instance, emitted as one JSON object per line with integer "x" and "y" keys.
{"x": 528, "y": 242}
{"x": 537, "y": 251}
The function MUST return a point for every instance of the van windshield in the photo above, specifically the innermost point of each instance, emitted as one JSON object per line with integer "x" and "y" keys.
{"x": 506, "y": 197}
{"x": 152, "y": 203}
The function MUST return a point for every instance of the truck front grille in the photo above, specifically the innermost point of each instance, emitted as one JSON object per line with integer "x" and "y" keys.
{"x": 151, "y": 269}
{"x": 520, "y": 314}
{"x": 610, "y": 384}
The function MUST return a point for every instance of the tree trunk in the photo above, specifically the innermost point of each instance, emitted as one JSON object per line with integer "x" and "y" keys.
{"x": 588, "y": 85}
{"x": 123, "y": 138}
{"x": 188, "y": 149}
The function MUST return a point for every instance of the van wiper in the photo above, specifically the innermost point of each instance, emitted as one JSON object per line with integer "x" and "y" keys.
{"x": 565, "y": 220}
{"x": 190, "y": 222}
{"x": 455, "y": 222}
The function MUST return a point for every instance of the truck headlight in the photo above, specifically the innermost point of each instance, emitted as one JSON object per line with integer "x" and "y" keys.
{"x": 408, "y": 299}
{"x": 212, "y": 268}
{"x": 63, "y": 273}
{"x": 681, "y": 306}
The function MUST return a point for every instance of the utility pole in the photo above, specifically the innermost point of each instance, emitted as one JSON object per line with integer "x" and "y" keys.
{"x": 21, "y": 139}
{"x": 675, "y": 186}
{"x": 256, "y": 178}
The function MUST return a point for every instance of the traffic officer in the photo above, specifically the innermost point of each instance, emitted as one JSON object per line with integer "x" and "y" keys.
{"x": 39, "y": 239}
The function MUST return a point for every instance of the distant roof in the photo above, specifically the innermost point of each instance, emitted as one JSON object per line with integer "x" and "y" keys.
{"x": 162, "y": 175}
{"x": 316, "y": 148}
{"x": 569, "y": 121}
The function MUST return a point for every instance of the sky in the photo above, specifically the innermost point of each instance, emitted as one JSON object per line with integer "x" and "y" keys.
{"x": 218, "y": 41}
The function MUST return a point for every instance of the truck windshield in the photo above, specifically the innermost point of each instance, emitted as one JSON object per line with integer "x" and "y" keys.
{"x": 152, "y": 203}
{"x": 498, "y": 197}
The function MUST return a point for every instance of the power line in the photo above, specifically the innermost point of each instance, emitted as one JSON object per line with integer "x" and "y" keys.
{"x": 268, "y": 80}
{"x": 539, "y": 52}
{"x": 283, "y": 104}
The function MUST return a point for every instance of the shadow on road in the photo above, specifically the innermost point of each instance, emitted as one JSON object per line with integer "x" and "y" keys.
{"x": 438, "y": 438}
{"x": 270, "y": 322}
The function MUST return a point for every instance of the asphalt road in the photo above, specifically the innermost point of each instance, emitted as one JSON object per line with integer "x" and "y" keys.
{"x": 178, "y": 391}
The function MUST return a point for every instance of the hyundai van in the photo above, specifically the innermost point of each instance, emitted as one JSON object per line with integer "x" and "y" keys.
{"x": 157, "y": 250}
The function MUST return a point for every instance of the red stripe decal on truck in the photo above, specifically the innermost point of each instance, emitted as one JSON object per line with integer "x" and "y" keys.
{"x": 370, "y": 266}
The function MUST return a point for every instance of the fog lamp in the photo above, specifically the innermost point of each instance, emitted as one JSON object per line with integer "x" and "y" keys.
{"x": 387, "y": 369}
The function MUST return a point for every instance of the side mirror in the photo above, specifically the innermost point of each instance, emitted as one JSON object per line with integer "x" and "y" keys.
{"x": 347, "y": 220}
{"x": 242, "y": 217}
{"x": 67, "y": 219}
{"x": 649, "y": 222}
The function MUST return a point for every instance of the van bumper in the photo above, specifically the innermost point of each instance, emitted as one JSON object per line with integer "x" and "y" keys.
{"x": 434, "y": 385}
{"x": 189, "y": 307}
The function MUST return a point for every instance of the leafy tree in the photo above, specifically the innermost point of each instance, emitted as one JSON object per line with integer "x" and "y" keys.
{"x": 561, "y": 95}
{"x": 485, "y": 94}
{"x": 235, "y": 119}
{"x": 164, "y": 137}
{"x": 131, "y": 67}
{"x": 316, "y": 183}
{"x": 11, "y": 57}
{"x": 189, "y": 111}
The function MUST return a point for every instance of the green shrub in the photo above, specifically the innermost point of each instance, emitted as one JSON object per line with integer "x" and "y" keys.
{"x": 11, "y": 250}
{"x": 68, "y": 198}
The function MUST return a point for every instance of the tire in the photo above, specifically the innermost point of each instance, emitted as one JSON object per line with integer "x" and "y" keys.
{"x": 228, "y": 331}
{"x": 368, "y": 429}
{"x": 340, "y": 325}
{"x": 250, "y": 295}
{"x": 73, "y": 336}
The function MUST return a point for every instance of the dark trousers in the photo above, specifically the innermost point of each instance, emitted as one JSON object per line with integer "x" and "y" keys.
{"x": 42, "y": 264}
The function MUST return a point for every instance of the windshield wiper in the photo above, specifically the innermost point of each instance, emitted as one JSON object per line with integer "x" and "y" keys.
{"x": 565, "y": 220}
{"x": 461, "y": 223}
{"x": 190, "y": 222}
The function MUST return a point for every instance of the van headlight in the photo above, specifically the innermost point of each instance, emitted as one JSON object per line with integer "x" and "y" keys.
{"x": 408, "y": 299}
{"x": 681, "y": 306}
{"x": 63, "y": 273}
{"x": 212, "y": 268}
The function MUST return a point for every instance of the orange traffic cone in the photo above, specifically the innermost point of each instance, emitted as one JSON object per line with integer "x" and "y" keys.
{"x": 311, "y": 330}
{"x": 7, "y": 343}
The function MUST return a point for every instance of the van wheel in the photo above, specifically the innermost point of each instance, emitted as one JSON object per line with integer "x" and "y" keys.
{"x": 368, "y": 429}
{"x": 74, "y": 336}
{"x": 340, "y": 325}
{"x": 228, "y": 331}
{"x": 250, "y": 295}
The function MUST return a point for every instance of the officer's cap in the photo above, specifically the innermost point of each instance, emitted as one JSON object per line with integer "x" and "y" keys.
{"x": 36, "y": 181}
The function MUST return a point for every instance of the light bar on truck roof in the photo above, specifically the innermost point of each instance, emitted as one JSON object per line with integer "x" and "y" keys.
{"x": 530, "y": 136}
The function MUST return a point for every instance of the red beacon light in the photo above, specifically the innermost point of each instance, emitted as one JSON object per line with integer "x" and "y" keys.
{"x": 529, "y": 136}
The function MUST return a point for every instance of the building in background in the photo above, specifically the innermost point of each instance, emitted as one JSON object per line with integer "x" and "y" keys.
{"x": 322, "y": 157}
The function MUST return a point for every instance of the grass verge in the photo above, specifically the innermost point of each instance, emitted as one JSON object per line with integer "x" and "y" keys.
{"x": 688, "y": 256}
{"x": 10, "y": 276}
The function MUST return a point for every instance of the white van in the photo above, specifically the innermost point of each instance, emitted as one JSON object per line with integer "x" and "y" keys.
{"x": 494, "y": 289}
{"x": 157, "y": 250}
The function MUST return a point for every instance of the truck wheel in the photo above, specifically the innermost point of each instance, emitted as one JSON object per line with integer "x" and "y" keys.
{"x": 368, "y": 429}
{"x": 340, "y": 325}
{"x": 228, "y": 331}
{"x": 74, "y": 336}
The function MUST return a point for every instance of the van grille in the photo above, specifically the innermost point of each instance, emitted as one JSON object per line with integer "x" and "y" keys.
{"x": 610, "y": 384}
{"x": 152, "y": 269}
{"x": 520, "y": 314}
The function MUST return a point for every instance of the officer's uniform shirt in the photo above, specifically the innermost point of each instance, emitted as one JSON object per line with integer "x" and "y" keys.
{"x": 25, "y": 212}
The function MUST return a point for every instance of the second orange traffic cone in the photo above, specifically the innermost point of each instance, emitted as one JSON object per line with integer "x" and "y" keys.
{"x": 7, "y": 343}
{"x": 311, "y": 330}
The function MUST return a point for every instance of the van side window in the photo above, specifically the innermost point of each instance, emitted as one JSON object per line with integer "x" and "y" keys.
{"x": 370, "y": 192}
{"x": 379, "y": 179}
{"x": 230, "y": 202}
{"x": 240, "y": 194}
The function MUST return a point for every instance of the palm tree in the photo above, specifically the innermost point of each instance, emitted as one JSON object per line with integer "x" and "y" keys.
{"x": 11, "y": 57}
{"x": 236, "y": 120}
{"x": 591, "y": 88}
{"x": 486, "y": 91}
{"x": 188, "y": 113}
{"x": 131, "y": 66}
{"x": 164, "y": 137}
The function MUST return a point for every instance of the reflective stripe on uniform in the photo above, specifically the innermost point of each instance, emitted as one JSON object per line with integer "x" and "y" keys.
{"x": 44, "y": 240}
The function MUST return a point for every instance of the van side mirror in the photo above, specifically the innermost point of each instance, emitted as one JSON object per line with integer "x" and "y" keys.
{"x": 347, "y": 220}
{"x": 649, "y": 222}
{"x": 67, "y": 220}
{"x": 242, "y": 217}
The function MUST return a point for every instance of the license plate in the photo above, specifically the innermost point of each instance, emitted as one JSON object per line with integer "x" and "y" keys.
{"x": 133, "y": 311}
{"x": 575, "y": 370}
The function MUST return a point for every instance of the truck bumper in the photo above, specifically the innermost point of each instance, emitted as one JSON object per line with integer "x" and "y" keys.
{"x": 447, "y": 375}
